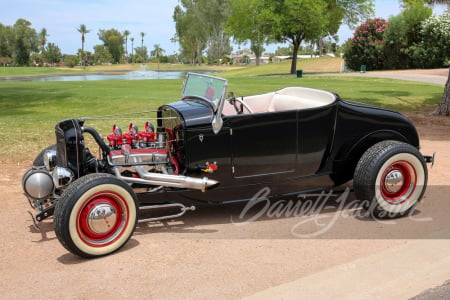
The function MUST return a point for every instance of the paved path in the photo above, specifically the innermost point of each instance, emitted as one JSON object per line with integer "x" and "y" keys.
{"x": 400, "y": 272}
{"x": 436, "y": 76}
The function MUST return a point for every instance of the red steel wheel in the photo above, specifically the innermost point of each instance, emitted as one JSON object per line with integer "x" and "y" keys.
{"x": 96, "y": 215}
{"x": 390, "y": 178}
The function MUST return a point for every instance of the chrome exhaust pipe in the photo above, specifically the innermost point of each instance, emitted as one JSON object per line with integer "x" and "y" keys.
{"x": 177, "y": 181}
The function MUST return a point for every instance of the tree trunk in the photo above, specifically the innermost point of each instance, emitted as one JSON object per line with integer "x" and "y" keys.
{"x": 294, "y": 58}
{"x": 444, "y": 106}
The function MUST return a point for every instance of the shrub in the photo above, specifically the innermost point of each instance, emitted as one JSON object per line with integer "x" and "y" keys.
{"x": 71, "y": 61}
{"x": 365, "y": 48}
{"x": 433, "y": 51}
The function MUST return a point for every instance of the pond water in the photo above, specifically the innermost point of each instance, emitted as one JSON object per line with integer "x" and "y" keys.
{"x": 133, "y": 75}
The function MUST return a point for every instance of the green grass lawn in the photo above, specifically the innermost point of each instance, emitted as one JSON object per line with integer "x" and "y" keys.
{"x": 29, "y": 110}
{"x": 28, "y": 71}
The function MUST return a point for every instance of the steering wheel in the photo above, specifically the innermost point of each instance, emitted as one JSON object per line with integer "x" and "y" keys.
{"x": 240, "y": 110}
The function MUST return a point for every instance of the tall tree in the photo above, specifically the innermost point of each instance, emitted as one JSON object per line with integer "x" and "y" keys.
{"x": 157, "y": 51}
{"x": 295, "y": 21}
{"x": 113, "y": 41}
{"x": 247, "y": 22}
{"x": 190, "y": 32}
{"x": 142, "y": 39}
{"x": 6, "y": 43}
{"x": 52, "y": 54}
{"x": 132, "y": 48}
{"x": 25, "y": 41}
{"x": 43, "y": 39}
{"x": 83, "y": 30}
{"x": 126, "y": 33}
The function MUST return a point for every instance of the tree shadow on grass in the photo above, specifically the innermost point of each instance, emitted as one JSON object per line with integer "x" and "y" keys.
{"x": 25, "y": 100}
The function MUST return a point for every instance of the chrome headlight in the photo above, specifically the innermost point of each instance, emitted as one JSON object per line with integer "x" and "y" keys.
{"x": 61, "y": 177}
{"x": 49, "y": 159}
{"x": 37, "y": 183}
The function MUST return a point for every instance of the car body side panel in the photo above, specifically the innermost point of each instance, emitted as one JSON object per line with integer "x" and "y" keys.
{"x": 264, "y": 145}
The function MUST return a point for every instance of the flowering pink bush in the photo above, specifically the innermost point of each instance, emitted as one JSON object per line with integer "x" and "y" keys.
{"x": 366, "y": 46}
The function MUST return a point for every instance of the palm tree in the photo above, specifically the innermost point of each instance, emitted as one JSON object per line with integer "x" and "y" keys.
{"x": 83, "y": 30}
{"x": 142, "y": 39}
{"x": 43, "y": 38}
{"x": 157, "y": 52}
{"x": 126, "y": 33}
{"x": 444, "y": 106}
{"x": 132, "y": 47}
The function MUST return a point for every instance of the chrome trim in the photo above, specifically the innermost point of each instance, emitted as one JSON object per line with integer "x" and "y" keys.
{"x": 183, "y": 210}
{"x": 102, "y": 218}
{"x": 393, "y": 181}
{"x": 49, "y": 159}
{"x": 62, "y": 177}
{"x": 176, "y": 181}
{"x": 38, "y": 184}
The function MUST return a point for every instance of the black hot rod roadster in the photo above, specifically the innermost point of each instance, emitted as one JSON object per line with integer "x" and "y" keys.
{"x": 209, "y": 148}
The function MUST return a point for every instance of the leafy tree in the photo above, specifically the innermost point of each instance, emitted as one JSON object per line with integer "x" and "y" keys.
{"x": 191, "y": 33}
{"x": 402, "y": 33}
{"x": 141, "y": 55}
{"x": 365, "y": 48}
{"x": 6, "y": 42}
{"x": 157, "y": 52}
{"x": 25, "y": 41}
{"x": 113, "y": 40}
{"x": 37, "y": 59}
{"x": 295, "y": 21}
{"x": 247, "y": 22}
{"x": 52, "y": 54}
{"x": 86, "y": 57}
{"x": 215, "y": 13}
{"x": 102, "y": 55}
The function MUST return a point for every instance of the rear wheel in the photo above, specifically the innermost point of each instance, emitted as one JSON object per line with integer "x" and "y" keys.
{"x": 96, "y": 215}
{"x": 390, "y": 179}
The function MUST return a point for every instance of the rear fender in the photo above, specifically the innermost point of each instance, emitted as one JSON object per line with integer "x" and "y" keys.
{"x": 349, "y": 155}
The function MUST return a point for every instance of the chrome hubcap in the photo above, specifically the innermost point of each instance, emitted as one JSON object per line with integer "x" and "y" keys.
{"x": 102, "y": 218}
{"x": 394, "y": 181}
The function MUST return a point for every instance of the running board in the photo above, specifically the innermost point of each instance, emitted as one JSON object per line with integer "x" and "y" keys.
{"x": 183, "y": 210}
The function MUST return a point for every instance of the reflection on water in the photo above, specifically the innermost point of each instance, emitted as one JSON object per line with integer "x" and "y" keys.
{"x": 134, "y": 75}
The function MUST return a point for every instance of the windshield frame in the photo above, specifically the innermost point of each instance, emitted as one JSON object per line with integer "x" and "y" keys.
{"x": 213, "y": 89}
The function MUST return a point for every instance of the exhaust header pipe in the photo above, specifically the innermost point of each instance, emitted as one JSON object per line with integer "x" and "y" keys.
{"x": 177, "y": 181}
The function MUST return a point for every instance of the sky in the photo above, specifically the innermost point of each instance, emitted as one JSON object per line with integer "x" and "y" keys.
{"x": 61, "y": 18}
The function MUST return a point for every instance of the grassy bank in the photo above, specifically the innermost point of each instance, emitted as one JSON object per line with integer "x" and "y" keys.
{"x": 316, "y": 65}
{"x": 29, "y": 110}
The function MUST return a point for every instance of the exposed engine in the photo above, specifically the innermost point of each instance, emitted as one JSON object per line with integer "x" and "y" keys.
{"x": 143, "y": 158}
{"x": 140, "y": 147}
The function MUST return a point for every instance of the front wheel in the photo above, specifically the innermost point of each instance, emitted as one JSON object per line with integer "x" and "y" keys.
{"x": 96, "y": 215}
{"x": 390, "y": 179}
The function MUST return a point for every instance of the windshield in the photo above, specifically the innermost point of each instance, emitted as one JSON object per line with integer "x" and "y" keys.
{"x": 208, "y": 88}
